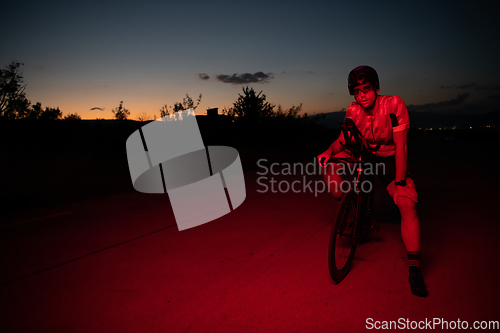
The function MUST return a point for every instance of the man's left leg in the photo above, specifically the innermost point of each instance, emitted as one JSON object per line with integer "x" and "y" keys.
{"x": 410, "y": 232}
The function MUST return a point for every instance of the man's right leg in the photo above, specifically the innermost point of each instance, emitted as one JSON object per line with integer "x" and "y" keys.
{"x": 334, "y": 180}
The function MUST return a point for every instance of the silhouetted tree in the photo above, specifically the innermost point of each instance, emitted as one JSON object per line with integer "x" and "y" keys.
{"x": 73, "y": 116}
{"x": 251, "y": 106}
{"x": 292, "y": 113}
{"x": 178, "y": 107}
{"x": 51, "y": 114}
{"x": 13, "y": 102}
{"x": 228, "y": 112}
{"x": 143, "y": 116}
{"x": 120, "y": 112}
{"x": 17, "y": 108}
{"x": 187, "y": 103}
{"x": 35, "y": 112}
{"x": 164, "y": 111}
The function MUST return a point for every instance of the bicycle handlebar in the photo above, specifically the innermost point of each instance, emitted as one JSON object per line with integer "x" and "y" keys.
{"x": 353, "y": 141}
{"x": 353, "y": 138}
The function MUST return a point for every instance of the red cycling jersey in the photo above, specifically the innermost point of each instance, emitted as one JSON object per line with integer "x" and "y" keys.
{"x": 389, "y": 115}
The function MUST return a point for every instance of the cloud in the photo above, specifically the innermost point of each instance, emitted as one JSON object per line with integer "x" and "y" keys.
{"x": 432, "y": 106}
{"x": 472, "y": 86}
{"x": 258, "y": 77}
{"x": 203, "y": 76}
{"x": 466, "y": 86}
{"x": 97, "y": 108}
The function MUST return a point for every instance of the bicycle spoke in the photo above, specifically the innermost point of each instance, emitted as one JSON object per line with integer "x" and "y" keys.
{"x": 344, "y": 238}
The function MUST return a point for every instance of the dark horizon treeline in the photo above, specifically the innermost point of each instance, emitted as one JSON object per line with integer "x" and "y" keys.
{"x": 52, "y": 162}
{"x": 13, "y": 101}
{"x": 15, "y": 105}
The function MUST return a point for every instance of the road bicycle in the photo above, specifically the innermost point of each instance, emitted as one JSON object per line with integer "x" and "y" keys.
{"x": 353, "y": 221}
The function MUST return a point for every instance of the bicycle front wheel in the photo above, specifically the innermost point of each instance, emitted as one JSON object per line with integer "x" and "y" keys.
{"x": 343, "y": 238}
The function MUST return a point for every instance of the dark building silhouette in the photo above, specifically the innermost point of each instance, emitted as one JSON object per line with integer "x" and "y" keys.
{"x": 213, "y": 112}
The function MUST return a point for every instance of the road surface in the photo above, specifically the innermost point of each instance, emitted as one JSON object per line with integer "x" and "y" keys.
{"x": 119, "y": 263}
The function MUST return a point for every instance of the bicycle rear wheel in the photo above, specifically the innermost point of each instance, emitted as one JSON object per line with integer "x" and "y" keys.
{"x": 343, "y": 238}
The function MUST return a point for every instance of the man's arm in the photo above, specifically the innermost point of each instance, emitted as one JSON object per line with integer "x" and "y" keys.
{"x": 334, "y": 148}
{"x": 400, "y": 139}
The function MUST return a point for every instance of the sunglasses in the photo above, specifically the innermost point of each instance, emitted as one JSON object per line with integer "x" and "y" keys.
{"x": 365, "y": 90}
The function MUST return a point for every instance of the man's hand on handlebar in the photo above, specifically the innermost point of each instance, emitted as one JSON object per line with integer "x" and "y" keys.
{"x": 404, "y": 191}
{"x": 323, "y": 158}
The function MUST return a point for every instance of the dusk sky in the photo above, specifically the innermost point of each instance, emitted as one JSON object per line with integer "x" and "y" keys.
{"x": 93, "y": 54}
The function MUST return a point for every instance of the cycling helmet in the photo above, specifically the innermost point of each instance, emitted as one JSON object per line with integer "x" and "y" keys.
{"x": 361, "y": 75}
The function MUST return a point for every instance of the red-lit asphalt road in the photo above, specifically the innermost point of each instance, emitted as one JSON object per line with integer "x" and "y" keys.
{"x": 119, "y": 264}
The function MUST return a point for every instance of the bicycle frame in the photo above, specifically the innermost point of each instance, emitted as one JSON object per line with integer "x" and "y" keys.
{"x": 353, "y": 142}
{"x": 350, "y": 227}
{"x": 358, "y": 179}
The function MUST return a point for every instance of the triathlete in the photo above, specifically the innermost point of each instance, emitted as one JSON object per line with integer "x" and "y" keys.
{"x": 384, "y": 123}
